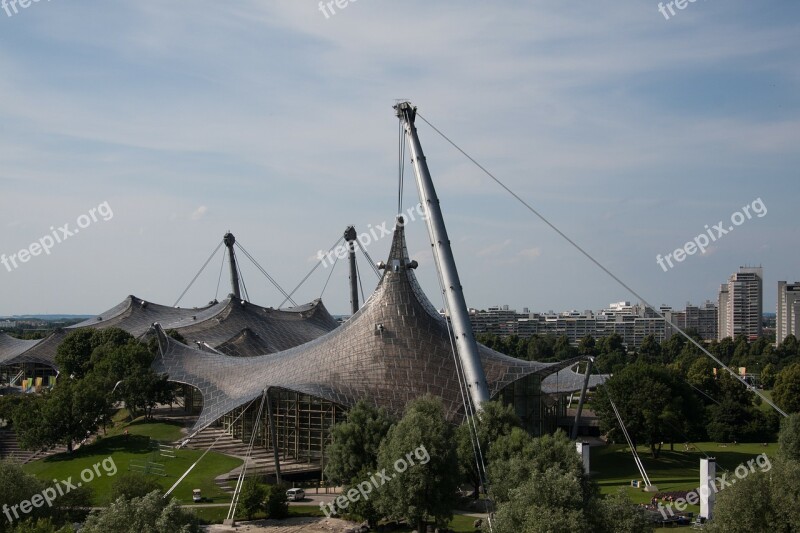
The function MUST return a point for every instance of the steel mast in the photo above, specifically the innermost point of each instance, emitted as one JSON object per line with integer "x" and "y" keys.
{"x": 229, "y": 241}
{"x": 466, "y": 344}
{"x": 350, "y": 237}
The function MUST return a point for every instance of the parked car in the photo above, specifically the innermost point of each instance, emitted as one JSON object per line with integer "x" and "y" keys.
{"x": 295, "y": 495}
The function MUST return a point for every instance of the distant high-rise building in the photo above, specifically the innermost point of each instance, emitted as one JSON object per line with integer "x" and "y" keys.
{"x": 722, "y": 312}
{"x": 703, "y": 319}
{"x": 787, "y": 318}
{"x": 741, "y": 304}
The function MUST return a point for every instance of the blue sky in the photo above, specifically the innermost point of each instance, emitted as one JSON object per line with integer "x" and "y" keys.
{"x": 628, "y": 131}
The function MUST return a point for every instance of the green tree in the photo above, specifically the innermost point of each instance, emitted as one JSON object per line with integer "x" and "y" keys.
{"x": 515, "y": 457}
{"x": 766, "y": 499}
{"x": 768, "y": 376}
{"x": 723, "y": 349}
{"x": 616, "y": 513}
{"x": 701, "y": 376}
{"x": 789, "y": 348}
{"x": 672, "y": 348}
{"x": 655, "y": 403}
{"x": 548, "y": 501}
{"x": 587, "y": 346}
{"x": 149, "y": 514}
{"x": 277, "y": 503}
{"x": 789, "y": 438}
{"x": 611, "y": 354}
{"x": 787, "y": 389}
{"x": 252, "y": 497}
{"x": 70, "y": 412}
{"x": 494, "y": 421}
{"x": 539, "y": 485}
{"x": 15, "y": 486}
{"x": 744, "y": 507}
{"x": 356, "y": 441}
{"x": 650, "y": 351}
{"x": 425, "y": 490}
{"x": 32, "y": 431}
{"x": 563, "y": 349}
{"x": 40, "y": 525}
{"x": 72, "y": 355}
{"x": 541, "y": 349}
{"x": 132, "y": 485}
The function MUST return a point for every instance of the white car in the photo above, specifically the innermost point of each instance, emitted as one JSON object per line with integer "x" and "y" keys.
{"x": 295, "y": 495}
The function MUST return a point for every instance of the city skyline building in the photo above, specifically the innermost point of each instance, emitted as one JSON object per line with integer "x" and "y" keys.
{"x": 787, "y": 316}
{"x": 742, "y": 301}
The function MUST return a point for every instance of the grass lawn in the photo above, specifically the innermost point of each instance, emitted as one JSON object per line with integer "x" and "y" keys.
{"x": 136, "y": 446}
{"x": 163, "y": 431}
{"x": 613, "y": 466}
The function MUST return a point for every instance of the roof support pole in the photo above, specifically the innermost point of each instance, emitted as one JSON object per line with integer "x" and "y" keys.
{"x": 582, "y": 398}
{"x": 459, "y": 315}
{"x": 229, "y": 241}
{"x": 350, "y": 237}
{"x": 274, "y": 434}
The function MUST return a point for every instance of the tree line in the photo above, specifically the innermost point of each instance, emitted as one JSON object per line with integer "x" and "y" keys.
{"x": 98, "y": 369}
{"x": 536, "y": 484}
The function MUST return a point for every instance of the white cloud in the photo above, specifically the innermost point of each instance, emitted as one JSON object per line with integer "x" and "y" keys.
{"x": 199, "y": 213}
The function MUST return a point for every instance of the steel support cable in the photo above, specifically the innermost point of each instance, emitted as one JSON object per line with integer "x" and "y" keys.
{"x": 360, "y": 283}
{"x": 333, "y": 266}
{"x": 219, "y": 280}
{"x": 604, "y": 268}
{"x": 198, "y": 274}
{"x": 371, "y": 262}
{"x": 240, "y": 482}
{"x": 636, "y": 458}
{"x": 275, "y": 283}
{"x": 241, "y": 280}
{"x": 312, "y": 271}
{"x": 180, "y": 479}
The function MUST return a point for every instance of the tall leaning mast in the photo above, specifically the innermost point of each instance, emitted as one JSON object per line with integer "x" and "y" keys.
{"x": 466, "y": 344}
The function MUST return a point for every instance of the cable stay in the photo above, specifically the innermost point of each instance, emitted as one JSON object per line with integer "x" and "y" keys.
{"x": 372, "y": 263}
{"x": 241, "y": 280}
{"x": 333, "y": 266}
{"x": 240, "y": 481}
{"x": 602, "y": 267}
{"x": 321, "y": 259}
{"x": 360, "y": 283}
{"x": 260, "y": 268}
{"x": 636, "y": 457}
{"x": 219, "y": 279}
{"x": 180, "y": 479}
{"x": 198, "y": 274}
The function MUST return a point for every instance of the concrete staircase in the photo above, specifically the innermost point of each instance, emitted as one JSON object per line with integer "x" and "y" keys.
{"x": 261, "y": 461}
{"x": 10, "y": 450}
